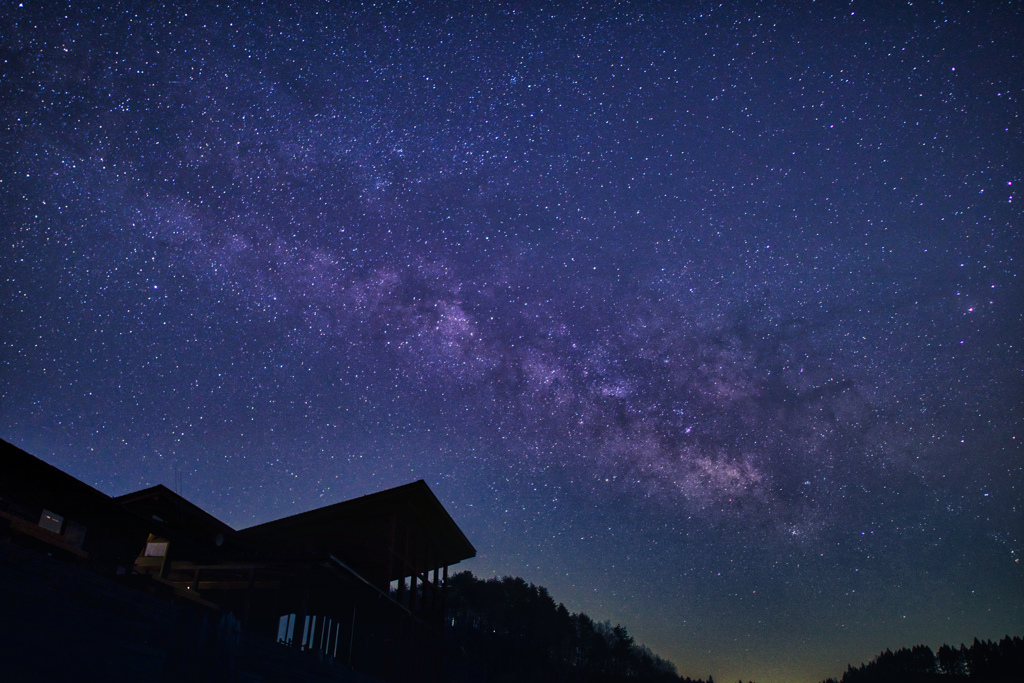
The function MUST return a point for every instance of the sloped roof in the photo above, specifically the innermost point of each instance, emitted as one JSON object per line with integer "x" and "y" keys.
{"x": 28, "y": 485}
{"x": 176, "y": 516}
{"x": 24, "y": 476}
{"x": 373, "y": 526}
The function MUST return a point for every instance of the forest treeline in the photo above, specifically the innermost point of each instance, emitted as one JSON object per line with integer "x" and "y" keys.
{"x": 505, "y": 630}
{"x": 983, "y": 661}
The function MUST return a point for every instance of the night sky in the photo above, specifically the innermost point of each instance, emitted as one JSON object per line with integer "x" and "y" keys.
{"x": 705, "y": 317}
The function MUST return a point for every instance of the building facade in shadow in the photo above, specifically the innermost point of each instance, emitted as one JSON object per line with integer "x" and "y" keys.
{"x": 356, "y": 588}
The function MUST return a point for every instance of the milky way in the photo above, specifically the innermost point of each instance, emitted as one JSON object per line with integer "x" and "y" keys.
{"x": 707, "y": 318}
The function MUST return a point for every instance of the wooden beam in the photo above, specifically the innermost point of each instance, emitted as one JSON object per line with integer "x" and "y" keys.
{"x": 232, "y": 585}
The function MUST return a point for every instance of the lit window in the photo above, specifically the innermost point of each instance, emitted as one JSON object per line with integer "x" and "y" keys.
{"x": 51, "y": 521}
{"x": 156, "y": 549}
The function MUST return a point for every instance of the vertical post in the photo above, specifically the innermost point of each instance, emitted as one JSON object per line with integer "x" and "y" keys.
{"x": 351, "y": 636}
{"x": 301, "y": 617}
{"x": 444, "y": 593}
{"x": 428, "y": 589}
{"x": 434, "y": 597}
{"x": 407, "y": 569}
{"x": 415, "y": 560}
{"x": 391, "y": 542}
{"x": 401, "y": 581}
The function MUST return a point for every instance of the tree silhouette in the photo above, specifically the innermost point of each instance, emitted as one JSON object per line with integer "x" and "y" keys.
{"x": 508, "y": 630}
{"x": 984, "y": 661}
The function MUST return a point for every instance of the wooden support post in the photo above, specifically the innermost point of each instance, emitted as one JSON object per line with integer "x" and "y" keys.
{"x": 415, "y": 559}
{"x": 300, "y": 618}
{"x": 412, "y": 591}
{"x": 391, "y": 546}
{"x": 444, "y": 591}
{"x": 352, "y": 636}
{"x": 434, "y": 598}
{"x": 406, "y": 569}
{"x": 401, "y": 581}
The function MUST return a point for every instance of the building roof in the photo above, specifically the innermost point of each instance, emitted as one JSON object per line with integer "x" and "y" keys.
{"x": 176, "y": 517}
{"x": 92, "y": 523}
{"x": 24, "y": 474}
{"x": 385, "y": 536}
{"x": 409, "y": 519}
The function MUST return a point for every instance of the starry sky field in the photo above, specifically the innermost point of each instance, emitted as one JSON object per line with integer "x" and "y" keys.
{"x": 706, "y": 317}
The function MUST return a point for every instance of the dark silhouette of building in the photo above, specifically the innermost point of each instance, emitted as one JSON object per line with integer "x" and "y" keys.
{"x": 356, "y": 587}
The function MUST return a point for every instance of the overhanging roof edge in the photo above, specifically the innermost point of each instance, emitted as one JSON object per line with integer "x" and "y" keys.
{"x": 398, "y": 494}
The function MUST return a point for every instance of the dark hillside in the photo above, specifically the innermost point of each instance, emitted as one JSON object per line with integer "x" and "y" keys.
{"x": 508, "y": 630}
